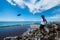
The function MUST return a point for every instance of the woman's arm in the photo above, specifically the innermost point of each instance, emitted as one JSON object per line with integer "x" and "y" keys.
{"x": 45, "y": 21}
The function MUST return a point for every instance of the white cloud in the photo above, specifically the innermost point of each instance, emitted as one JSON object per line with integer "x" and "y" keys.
{"x": 54, "y": 18}
{"x": 10, "y": 1}
{"x": 34, "y": 6}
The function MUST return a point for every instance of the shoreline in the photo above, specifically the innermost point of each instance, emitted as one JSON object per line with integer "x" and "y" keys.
{"x": 12, "y": 31}
{"x": 4, "y": 26}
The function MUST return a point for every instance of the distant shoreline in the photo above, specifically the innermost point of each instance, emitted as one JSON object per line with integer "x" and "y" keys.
{"x": 4, "y": 26}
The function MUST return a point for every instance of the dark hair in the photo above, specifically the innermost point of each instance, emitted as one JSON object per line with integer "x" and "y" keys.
{"x": 42, "y": 16}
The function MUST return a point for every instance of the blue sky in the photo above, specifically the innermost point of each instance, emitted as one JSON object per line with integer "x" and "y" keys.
{"x": 29, "y": 10}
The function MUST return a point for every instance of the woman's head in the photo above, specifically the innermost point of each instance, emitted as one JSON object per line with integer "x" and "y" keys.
{"x": 42, "y": 16}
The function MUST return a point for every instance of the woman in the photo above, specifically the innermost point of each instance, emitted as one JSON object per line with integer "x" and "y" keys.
{"x": 43, "y": 23}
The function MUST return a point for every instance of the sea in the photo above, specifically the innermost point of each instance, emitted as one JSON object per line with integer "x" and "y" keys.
{"x": 14, "y": 30}
{"x": 6, "y": 23}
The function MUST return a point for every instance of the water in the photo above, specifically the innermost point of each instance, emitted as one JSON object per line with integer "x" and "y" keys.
{"x": 14, "y": 30}
{"x": 19, "y": 22}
